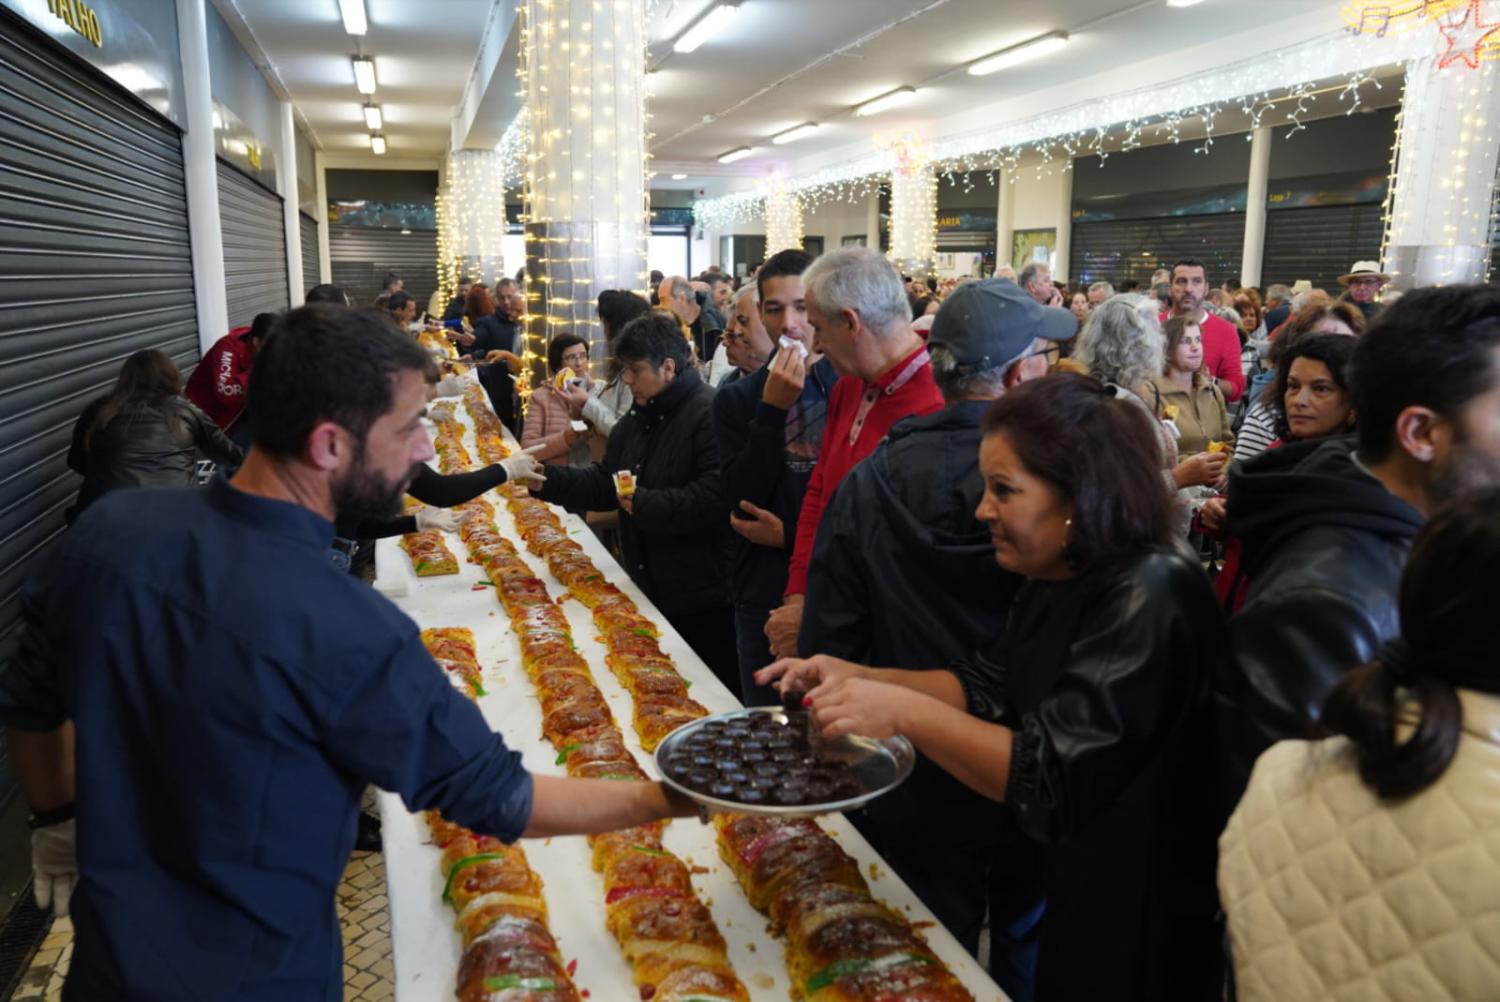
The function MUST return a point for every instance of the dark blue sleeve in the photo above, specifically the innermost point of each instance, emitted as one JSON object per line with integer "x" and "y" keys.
{"x": 31, "y": 686}
{"x": 402, "y": 726}
{"x": 751, "y": 438}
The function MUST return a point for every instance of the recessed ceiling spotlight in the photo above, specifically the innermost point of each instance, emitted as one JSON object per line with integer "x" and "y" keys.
{"x": 792, "y": 135}
{"x": 1017, "y": 54}
{"x": 364, "y": 74}
{"x": 899, "y": 96}
{"x": 703, "y": 29}
{"x": 733, "y": 155}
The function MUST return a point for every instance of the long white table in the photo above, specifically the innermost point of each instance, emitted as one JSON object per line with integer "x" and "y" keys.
{"x": 425, "y": 945}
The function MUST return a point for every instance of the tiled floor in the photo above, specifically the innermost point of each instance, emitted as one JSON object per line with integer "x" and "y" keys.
{"x": 363, "y": 910}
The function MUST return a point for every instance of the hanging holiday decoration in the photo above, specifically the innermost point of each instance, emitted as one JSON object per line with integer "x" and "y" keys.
{"x": 783, "y": 217}
{"x": 1469, "y": 36}
{"x": 471, "y": 219}
{"x": 1281, "y": 86}
{"x": 913, "y": 206}
{"x": 1368, "y": 17}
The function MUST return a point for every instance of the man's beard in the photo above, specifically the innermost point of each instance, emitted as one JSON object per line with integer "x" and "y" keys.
{"x": 1462, "y": 470}
{"x": 362, "y": 494}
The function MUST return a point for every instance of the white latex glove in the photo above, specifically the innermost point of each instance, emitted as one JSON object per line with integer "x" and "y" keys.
{"x": 54, "y": 865}
{"x": 451, "y": 386}
{"x": 523, "y": 465}
{"x": 437, "y": 518}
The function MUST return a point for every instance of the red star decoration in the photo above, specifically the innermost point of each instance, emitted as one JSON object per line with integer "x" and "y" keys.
{"x": 1465, "y": 39}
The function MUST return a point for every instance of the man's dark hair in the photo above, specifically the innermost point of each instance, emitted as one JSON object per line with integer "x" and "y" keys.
{"x": 1431, "y": 348}
{"x": 398, "y": 301}
{"x": 654, "y": 338}
{"x": 656, "y": 277}
{"x": 780, "y": 265}
{"x": 1130, "y": 285}
{"x": 327, "y": 294}
{"x": 391, "y": 278}
{"x": 261, "y": 326}
{"x": 560, "y": 344}
{"x": 1099, "y": 452}
{"x": 618, "y": 307}
{"x": 713, "y": 278}
{"x": 1333, "y": 350}
{"x": 1190, "y": 262}
{"x": 325, "y": 363}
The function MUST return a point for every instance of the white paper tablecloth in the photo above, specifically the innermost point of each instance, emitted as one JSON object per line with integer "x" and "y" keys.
{"x": 425, "y": 945}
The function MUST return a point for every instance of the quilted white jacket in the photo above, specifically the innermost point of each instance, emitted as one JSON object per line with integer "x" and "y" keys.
{"x": 1333, "y": 895}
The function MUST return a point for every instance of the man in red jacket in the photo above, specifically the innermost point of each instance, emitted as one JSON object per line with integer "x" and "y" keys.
{"x": 861, "y": 323}
{"x": 1221, "y": 345}
{"x": 220, "y": 384}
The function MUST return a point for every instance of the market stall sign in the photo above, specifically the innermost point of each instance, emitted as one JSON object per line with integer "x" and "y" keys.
{"x": 80, "y": 17}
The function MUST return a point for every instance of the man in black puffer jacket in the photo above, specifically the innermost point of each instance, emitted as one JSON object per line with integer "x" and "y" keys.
{"x": 672, "y": 526}
{"x": 1327, "y": 525}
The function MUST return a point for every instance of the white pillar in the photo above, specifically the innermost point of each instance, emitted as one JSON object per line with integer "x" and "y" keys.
{"x": 583, "y": 73}
{"x": 1064, "y": 223}
{"x": 286, "y": 180}
{"x": 872, "y": 220}
{"x": 325, "y": 265}
{"x": 1254, "y": 252}
{"x": 200, "y": 171}
{"x": 1440, "y": 203}
{"x": 1005, "y": 218}
{"x": 914, "y": 219}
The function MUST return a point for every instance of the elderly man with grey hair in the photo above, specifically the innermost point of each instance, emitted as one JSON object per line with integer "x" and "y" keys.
{"x": 1036, "y": 279}
{"x": 905, "y": 576}
{"x": 1099, "y": 292}
{"x": 856, "y": 305}
{"x": 677, "y": 294}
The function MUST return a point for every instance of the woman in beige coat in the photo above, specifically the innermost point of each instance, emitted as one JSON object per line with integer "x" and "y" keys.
{"x": 1367, "y": 866}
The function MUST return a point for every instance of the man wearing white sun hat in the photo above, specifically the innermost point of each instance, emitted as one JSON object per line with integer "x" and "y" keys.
{"x": 1362, "y": 285}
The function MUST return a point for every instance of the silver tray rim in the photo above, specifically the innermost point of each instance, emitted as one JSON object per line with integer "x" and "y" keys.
{"x": 899, "y": 749}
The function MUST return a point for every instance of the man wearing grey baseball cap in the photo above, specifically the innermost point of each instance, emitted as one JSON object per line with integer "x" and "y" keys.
{"x": 906, "y": 578}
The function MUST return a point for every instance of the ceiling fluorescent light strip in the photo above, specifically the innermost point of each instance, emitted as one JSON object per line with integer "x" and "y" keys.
{"x": 364, "y": 74}
{"x": 373, "y": 117}
{"x": 353, "y": 13}
{"x": 1182, "y": 3}
{"x": 733, "y": 155}
{"x": 1017, "y": 54}
{"x": 792, "y": 135}
{"x": 701, "y": 30}
{"x": 377, "y": 145}
{"x": 874, "y": 107}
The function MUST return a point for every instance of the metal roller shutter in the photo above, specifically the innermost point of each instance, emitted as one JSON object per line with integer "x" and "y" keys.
{"x": 1319, "y": 244}
{"x": 361, "y": 255}
{"x": 307, "y": 233}
{"x": 1120, "y": 249}
{"x": 95, "y": 265}
{"x": 255, "y": 277}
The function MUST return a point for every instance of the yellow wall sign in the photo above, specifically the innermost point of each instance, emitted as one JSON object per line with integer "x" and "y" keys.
{"x": 80, "y": 17}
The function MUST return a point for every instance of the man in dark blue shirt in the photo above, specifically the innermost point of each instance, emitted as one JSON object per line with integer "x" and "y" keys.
{"x": 232, "y": 693}
{"x": 769, "y": 427}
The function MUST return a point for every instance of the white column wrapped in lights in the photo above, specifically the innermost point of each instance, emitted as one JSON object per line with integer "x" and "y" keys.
{"x": 471, "y": 219}
{"x": 913, "y": 209}
{"x": 587, "y": 210}
{"x": 1442, "y": 196}
{"x": 783, "y": 217}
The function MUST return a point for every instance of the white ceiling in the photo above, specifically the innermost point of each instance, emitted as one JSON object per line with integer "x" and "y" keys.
{"x": 773, "y": 68}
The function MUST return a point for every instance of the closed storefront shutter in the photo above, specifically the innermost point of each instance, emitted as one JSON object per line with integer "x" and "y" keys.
{"x": 1118, "y": 249}
{"x": 254, "y": 247}
{"x": 95, "y": 264}
{"x": 308, "y": 234}
{"x": 362, "y": 255}
{"x": 1319, "y": 244}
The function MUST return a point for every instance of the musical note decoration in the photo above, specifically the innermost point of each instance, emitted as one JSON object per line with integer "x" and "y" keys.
{"x": 1465, "y": 30}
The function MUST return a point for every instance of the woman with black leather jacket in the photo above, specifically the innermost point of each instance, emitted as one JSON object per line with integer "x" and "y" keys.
{"x": 143, "y": 433}
{"x": 1090, "y": 716}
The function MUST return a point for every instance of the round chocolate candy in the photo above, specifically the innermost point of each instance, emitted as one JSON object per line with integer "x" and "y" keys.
{"x": 750, "y": 795}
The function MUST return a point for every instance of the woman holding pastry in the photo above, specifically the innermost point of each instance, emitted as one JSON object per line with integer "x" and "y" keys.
{"x": 549, "y": 421}
{"x": 1089, "y": 716}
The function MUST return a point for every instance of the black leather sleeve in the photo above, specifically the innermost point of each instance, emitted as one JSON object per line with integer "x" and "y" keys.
{"x": 1127, "y": 683}
{"x": 836, "y": 611}
{"x": 982, "y": 677}
{"x": 692, "y": 507}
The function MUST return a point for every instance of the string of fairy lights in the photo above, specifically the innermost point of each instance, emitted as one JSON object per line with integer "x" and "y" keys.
{"x": 783, "y": 218}
{"x": 471, "y": 219}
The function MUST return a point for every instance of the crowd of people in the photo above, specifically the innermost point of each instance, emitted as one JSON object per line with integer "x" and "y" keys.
{"x": 1179, "y": 590}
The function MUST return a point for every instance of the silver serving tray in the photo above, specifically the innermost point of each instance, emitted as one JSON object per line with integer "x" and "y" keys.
{"x": 880, "y": 767}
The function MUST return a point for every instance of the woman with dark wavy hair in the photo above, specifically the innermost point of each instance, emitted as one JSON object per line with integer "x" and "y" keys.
{"x": 1381, "y": 841}
{"x": 1089, "y": 718}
